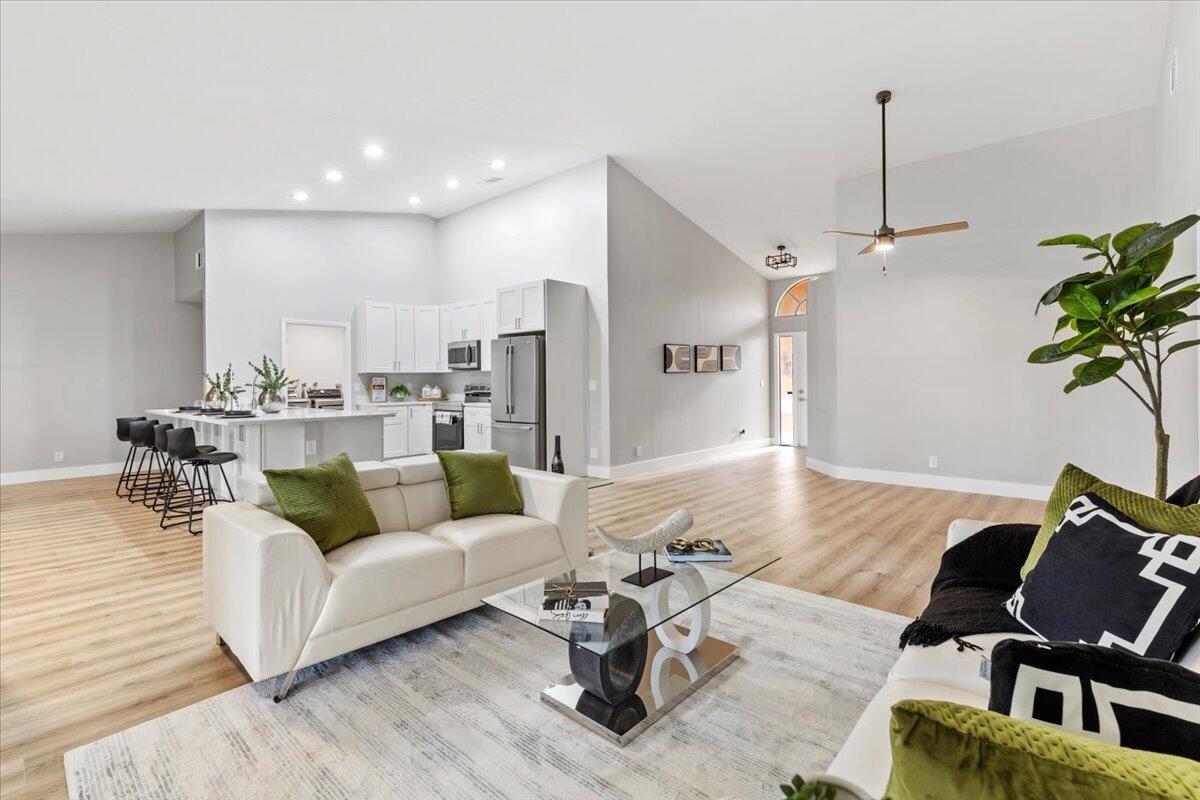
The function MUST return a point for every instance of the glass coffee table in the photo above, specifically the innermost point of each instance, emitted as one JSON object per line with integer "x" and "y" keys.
{"x": 610, "y": 689}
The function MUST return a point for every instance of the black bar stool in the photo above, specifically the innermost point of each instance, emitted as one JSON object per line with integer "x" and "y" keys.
{"x": 175, "y": 478}
{"x": 159, "y": 459}
{"x": 181, "y": 446}
{"x": 123, "y": 436}
{"x": 141, "y": 436}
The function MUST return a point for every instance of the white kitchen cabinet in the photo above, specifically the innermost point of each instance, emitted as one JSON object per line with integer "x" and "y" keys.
{"x": 521, "y": 308}
{"x": 477, "y": 428}
{"x": 428, "y": 356}
{"x": 487, "y": 331}
{"x": 446, "y": 315}
{"x": 395, "y": 434}
{"x": 375, "y": 334}
{"x": 406, "y": 342}
{"x": 420, "y": 429}
{"x": 465, "y": 323}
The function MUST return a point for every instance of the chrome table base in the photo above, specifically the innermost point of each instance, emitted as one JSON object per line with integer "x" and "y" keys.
{"x": 670, "y": 676}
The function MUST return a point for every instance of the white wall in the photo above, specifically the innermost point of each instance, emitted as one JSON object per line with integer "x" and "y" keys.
{"x": 189, "y": 281}
{"x": 552, "y": 229}
{"x": 263, "y": 266}
{"x": 89, "y": 331}
{"x": 931, "y": 359}
{"x": 1178, "y": 145}
{"x": 669, "y": 281}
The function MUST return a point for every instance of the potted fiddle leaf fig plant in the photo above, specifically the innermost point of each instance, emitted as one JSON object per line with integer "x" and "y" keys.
{"x": 272, "y": 383}
{"x": 1123, "y": 323}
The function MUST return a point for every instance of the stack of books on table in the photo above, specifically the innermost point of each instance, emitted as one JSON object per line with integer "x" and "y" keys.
{"x": 582, "y": 601}
{"x": 710, "y": 550}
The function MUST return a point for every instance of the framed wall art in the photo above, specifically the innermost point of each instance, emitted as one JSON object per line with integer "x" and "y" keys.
{"x": 677, "y": 358}
{"x": 708, "y": 358}
{"x": 731, "y": 357}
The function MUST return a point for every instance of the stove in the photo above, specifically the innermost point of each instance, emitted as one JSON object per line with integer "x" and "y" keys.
{"x": 326, "y": 398}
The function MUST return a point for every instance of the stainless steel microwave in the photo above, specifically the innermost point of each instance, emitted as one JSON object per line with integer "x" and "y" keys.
{"x": 463, "y": 355}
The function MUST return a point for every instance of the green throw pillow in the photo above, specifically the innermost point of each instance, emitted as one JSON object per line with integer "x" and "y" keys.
{"x": 479, "y": 483}
{"x": 946, "y": 750}
{"x": 1156, "y": 515}
{"x": 326, "y": 500}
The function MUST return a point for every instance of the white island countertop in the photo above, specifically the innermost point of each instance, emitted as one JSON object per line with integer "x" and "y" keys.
{"x": 263, "y": 418}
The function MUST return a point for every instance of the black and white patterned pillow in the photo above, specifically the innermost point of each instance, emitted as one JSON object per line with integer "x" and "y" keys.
{"x": 1105, "y": 580}
{"x": 1100, "y": 693}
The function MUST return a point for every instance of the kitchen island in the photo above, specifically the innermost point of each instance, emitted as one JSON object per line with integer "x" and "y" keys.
{"x": 290, "y": 438}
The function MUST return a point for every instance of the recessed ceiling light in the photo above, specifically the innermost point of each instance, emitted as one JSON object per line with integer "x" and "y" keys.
{"x": 333, "y": 176}
{"x": 497, "y": 164}
{"x": 300, "y": 196}
{"x": 372, "y": 151}
{"x": 414, "y": 200}
{"x": 452, "y": 183}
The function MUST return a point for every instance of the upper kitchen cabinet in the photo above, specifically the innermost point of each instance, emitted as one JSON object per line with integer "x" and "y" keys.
{"x": 521, "y": 308}
{"x": 384, "y": 338}
{"x": 487, "y": 321}
{"x": 428, "y": 355}
{"x": 465, "y": 321}
{"x": 446, "y": 315}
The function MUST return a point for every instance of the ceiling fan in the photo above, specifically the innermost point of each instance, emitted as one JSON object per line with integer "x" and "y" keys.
{"x": 885, "y": 238}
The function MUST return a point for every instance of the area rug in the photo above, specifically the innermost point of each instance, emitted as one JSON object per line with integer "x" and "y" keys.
{"x": 451, "y": 711}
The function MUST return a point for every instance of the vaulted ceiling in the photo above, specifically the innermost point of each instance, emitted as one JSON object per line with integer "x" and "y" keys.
{"x": 130, "y": 117}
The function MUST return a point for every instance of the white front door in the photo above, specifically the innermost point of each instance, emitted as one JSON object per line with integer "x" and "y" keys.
{"x": 791, "y": 378}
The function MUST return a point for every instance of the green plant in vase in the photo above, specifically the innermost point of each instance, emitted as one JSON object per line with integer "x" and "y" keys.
{"x": 1120, "y": 316}
{"x": 212, "y": 397}
{"x": 272, "y": 383}
{"x": 400, "y": 391}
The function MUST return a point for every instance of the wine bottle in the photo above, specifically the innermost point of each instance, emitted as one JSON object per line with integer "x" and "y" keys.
{"x": 556, "y": 463}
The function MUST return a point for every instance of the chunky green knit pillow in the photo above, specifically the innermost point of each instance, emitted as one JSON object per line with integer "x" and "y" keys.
{"x": 479, "y": 483}
{"x": 1156, "y": 515}
{"x": 326, "y": 500}
{"x": 942, "y": 749}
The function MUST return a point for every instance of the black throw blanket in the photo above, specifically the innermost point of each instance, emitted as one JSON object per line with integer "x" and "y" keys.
{"x": 967, "y": 597}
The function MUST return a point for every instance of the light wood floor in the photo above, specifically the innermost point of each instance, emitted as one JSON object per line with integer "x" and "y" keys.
{"x": 100, "y": 611}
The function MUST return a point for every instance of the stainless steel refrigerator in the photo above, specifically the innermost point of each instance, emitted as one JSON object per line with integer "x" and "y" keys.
{"x": 519, "y": 399}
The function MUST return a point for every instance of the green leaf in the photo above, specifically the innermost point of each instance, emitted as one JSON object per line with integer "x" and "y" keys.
{"x": 1132, "y": 299}
{"x": 1077, "y": 239}
{"x": 1156, "y": 262}
{"x": 1076, "y": 341}
{"x": 1063, "y": 322}
{"x": 1170, "y": 302}
{"x": 1183, "y": 345}
{"x": 1171, "y": 284}
{"x": 1157, "y": 238}
{"x": 1090, "y": 256}
{"x": 1122, "y": 240}
{"x": 1048, "y": 354}
{"x": 1101, "y": 243}
{"x": 1070, "y": 387}
{"x": 1166, "y": 319}
{"x": 1080, "y": 303}
{"x": 1052, "y": 294}
{"x": 1099, "y": 369}
{"x": 1088, "y": 352}
{"x": 1109, "y": 284}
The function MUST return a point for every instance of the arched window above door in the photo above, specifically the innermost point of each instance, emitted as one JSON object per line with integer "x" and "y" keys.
{"x": 794, "y": 302}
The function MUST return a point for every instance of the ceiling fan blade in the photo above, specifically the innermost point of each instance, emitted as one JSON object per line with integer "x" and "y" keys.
{"x": 868, "y": 249}
{"x": 949, "y": 226}
{"x": 852, "y": 233}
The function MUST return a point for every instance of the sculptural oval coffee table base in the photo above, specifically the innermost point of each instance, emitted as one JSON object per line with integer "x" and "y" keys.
{"x": 671, "y": 677}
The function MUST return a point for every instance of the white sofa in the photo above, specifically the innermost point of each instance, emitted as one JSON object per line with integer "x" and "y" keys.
{"x": 926, "y": 673}
{"x": 279, "y": 604}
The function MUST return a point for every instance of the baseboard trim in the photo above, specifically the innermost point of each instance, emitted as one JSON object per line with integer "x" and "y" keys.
{"x": 1027, "y": 491}
{"x": 682, "y": 459}
{"x": 60, "y": 473}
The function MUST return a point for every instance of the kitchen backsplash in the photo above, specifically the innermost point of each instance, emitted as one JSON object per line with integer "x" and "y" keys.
{"x": 451, "y": 383}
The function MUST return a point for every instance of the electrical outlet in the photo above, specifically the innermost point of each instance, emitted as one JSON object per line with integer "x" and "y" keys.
{"x": 58, "y": 455}
{"x": 933, "y": 462}
{"x": 594, "y": 452}
{"x": 637, "y": 451}
{"x": 593, "y": 386}
{"x": 310, "y": 448}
